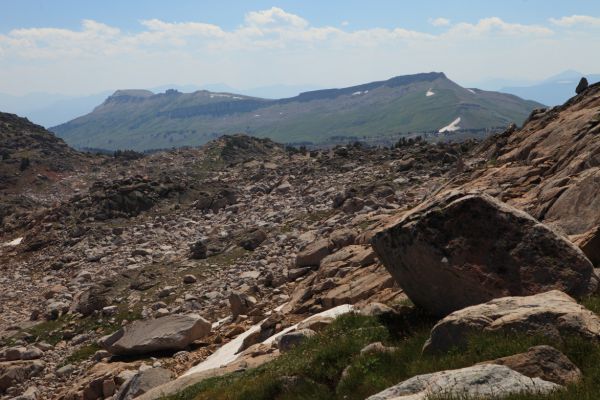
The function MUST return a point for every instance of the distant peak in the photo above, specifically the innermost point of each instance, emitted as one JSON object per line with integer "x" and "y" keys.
{"x": 422, "y": 76}
{"x": 127, "y": 95}
{"x": 408, "y": 79}
{"x": 132, "y": 93}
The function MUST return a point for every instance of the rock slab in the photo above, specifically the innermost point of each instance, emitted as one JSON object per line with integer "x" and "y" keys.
{"x": 552, "y": 314}
{"x": 479, "y": 381}
{"x": 142, "y": 382}
{"x": 172, "y": 332}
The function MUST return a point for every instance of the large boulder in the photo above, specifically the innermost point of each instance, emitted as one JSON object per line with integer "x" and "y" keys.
{"x": 169, "y": 333}
{"x": 462, "y": 248}
{"x": 551, "y": 314}
{"x": 478, "y": 381}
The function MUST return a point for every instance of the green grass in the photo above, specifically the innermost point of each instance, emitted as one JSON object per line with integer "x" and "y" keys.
{"x": 315, "y": 370}
{"x": 82, "y": 353}
{"x": 52, "y": 331}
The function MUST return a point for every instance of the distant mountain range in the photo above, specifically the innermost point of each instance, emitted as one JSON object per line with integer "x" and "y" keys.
{"x": 428, "y": 102}
{"x": 554, "y": 90}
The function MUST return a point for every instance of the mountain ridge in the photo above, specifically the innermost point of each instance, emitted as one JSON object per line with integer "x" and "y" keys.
{"x": 418, "y": 103}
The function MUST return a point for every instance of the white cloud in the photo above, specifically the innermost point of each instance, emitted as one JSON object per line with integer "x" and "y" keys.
{"x": 285, "y": 48}
{"x": 439, "y": 21}
{"x": 495, "y": 25}
{"x": 576, "y": 20}
{"x": 275, "y": 16}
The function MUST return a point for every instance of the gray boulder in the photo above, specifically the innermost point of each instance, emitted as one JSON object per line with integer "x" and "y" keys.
{"x": 462, "y": 249}
{"x": 479, "y": 381}
{"x": 172, "y": 332}
{"x": 552, "y": 314}
{"x": 292, "y": 339}
{"x": 142, "y": 382}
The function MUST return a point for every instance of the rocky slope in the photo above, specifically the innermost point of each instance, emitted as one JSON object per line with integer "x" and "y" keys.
{"x": 231, "y": 255}
{"x": 429, "y": 102}
{"x": 35, "y": 167}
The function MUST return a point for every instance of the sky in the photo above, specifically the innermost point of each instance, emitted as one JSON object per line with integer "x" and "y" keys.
{"x": 79, "y": 47}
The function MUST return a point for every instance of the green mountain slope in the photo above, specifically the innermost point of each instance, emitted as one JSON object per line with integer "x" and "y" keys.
{"x": 141, "y": 120}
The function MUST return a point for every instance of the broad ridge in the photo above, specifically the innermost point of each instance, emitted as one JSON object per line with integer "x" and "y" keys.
{"x": 380, "y": 112}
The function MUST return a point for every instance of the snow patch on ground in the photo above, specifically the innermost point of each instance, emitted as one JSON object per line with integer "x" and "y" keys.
{"x": 429, "y": 93}
{"x": 453, "y": 126}
{"x": 226, "y": 354}
{"x": 472, "y": 91}
{"x": 220, "y": 322}
{"x": 331, "y": 313}
{"x": 356, "y": 93}
{"x": 15, "y": 242}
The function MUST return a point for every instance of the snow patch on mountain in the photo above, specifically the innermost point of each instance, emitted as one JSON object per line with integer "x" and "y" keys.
{"x": 451, "y": 127}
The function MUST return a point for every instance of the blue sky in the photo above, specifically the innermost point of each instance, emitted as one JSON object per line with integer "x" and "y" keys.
{"x": 83, "y": 46}
{"x": 228, "y": 14}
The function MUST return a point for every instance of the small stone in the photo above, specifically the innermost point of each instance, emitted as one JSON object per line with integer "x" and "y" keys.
{"x": 110, "y": 310}
{"x": 14, "y": 353}
{"x": 65, "y": 370}
{"x": 162, "y": 312}
{"x": 100, "y": 355}
{"x": 166, "y": 291}
{"x": 32, "y": 353}
{"x": 377, "y": 347}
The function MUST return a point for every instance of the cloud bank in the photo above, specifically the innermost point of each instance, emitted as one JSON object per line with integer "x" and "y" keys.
{"x": 275, "y": 46}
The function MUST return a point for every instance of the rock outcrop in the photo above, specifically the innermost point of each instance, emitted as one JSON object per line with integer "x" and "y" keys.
{"x": 550, "y": 167}
{"x": 582, "y": 85}
{"x": 465, "y": 248}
